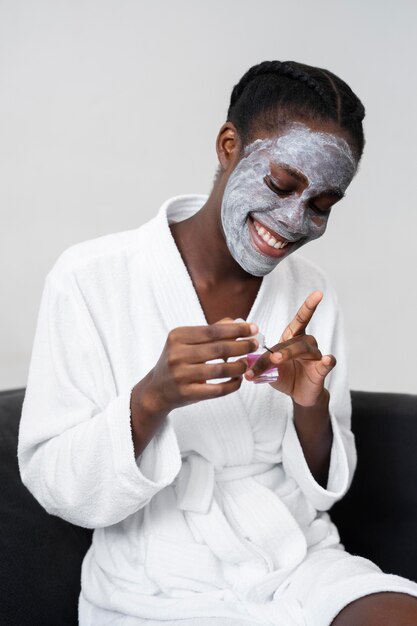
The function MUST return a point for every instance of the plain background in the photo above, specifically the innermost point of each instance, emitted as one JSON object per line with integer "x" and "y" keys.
{"x": 109, "y": 107}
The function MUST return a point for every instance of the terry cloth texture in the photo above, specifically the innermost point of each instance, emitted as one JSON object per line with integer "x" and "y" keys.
{"x": 219, "y": 517}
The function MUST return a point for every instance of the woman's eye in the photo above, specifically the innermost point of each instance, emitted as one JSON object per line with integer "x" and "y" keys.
{"x": 322, "y": 210}
{"x": 275, "y": 188}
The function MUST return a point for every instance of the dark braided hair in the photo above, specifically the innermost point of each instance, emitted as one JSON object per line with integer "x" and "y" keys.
{"x": 274, "y": 93}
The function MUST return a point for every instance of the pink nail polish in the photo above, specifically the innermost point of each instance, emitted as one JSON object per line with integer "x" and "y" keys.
{"x": 270, "y": 375}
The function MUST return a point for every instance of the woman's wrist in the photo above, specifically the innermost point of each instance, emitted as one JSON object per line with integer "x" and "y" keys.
{"x": 145, "y": 414}
{"x": 321, "y": 403}
{"x": 311, "y": 419}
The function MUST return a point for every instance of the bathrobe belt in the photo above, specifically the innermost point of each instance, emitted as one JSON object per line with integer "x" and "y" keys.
{"x": 256, "y": 514}
{"x": 196, "y": 480}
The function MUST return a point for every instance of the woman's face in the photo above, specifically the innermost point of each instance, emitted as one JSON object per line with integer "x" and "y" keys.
{"x": 280, "y": 194}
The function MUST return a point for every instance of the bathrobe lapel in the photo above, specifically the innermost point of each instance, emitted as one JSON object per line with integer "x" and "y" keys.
{"x": 179, "y": 306}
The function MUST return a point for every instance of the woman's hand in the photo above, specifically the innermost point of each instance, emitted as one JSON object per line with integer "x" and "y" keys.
{"x": 180, "y": 375}
{"x": 301, "y": 366}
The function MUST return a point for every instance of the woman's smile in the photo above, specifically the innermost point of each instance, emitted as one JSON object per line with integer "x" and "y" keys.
{"x": 267, "y": 241}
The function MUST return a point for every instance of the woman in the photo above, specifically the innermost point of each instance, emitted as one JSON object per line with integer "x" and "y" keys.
{"x": 209, "y": 493}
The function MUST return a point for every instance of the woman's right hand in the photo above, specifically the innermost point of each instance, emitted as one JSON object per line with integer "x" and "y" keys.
{"x": 179, "y": 377}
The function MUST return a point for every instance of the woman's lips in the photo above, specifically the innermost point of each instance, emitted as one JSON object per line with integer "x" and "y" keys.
{"x": 265, "y": 248}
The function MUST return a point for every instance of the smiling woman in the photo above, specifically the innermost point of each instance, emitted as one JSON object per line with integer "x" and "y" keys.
{"x": 209, "y": 494}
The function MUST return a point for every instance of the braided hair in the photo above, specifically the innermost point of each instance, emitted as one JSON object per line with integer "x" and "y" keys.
{"x": 273, "y": 93}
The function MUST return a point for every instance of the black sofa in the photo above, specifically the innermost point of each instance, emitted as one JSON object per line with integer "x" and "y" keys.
{"x": 41, "y": 554}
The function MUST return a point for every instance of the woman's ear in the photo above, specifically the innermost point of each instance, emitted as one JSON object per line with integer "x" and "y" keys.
{"x": 228, "y": 146}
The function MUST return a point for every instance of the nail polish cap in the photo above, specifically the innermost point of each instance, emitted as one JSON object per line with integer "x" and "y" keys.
{"x": 261, "y": 340}
{"x": 259, "y": 337}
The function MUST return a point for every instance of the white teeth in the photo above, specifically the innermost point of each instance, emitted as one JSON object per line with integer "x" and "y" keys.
{"x": 268, "y": 238}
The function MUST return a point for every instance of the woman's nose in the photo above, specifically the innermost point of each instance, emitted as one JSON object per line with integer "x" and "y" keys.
{"x": 294, "y": 219}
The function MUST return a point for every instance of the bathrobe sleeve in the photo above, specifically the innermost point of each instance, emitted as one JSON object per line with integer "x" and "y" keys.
{"x": 75, "y": 448}
{"x": 328, "y": 330}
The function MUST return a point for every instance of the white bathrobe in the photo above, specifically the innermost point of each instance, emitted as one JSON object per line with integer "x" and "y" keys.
{"x": 220, "y": 515}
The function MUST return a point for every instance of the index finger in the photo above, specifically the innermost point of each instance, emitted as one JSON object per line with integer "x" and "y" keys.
{"x": 213, "y": 332}
{"x": 264, "y": 363}
{"x": 304, "y": 314}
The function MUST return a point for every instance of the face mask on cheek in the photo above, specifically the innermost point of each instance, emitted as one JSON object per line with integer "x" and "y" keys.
{"x": 327, "y": 162}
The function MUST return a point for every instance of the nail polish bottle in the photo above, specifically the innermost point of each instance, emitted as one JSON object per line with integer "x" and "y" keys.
{"x": 270, "y": 375}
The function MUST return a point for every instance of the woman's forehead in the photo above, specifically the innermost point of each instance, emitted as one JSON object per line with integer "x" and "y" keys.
{"x": 311, "y": 152}
{"x": 298, "y": 139}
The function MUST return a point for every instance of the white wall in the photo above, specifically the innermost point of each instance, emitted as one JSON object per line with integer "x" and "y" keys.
{"x": 108, "y": 107}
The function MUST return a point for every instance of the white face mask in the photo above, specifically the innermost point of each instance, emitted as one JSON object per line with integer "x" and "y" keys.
{"x": 325, "y": 160}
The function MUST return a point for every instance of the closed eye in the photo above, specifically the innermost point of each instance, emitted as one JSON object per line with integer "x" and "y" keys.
{"x": 274, "y": 187}
{"x": 322, "y": 204}
{"x": 323, "y": 211}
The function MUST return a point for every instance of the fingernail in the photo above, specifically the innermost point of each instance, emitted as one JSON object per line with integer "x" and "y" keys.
{"x": 277, "y": 356}
{"x": 250, "y": 374}
{"x": 254, "y": 328}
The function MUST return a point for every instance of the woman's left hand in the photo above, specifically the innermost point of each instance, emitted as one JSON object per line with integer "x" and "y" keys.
{"x": 301, "y": 366}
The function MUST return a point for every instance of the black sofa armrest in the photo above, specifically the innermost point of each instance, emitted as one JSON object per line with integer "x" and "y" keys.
{"x": 41, "y": 554}
{"x": 377, "y": 518}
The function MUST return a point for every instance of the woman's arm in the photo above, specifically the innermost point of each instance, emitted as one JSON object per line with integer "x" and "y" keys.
{"x": 75, "y": 450}
{"x": 92, "y": 452}
{"x": 315, "y": 433}
{"x": 318, "y": 446}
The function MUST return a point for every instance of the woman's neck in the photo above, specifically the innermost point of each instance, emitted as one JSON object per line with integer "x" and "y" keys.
{"x": 203, "y": 248}
{"x": 223, "y": 287}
